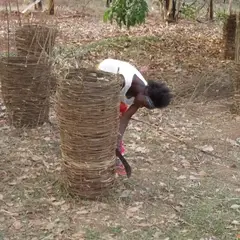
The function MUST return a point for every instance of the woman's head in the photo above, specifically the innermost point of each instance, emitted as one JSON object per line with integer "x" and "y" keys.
{"x": 155, "y": 95}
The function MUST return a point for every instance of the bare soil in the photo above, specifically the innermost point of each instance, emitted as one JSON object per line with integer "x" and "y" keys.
{"x": 185, "y": 159}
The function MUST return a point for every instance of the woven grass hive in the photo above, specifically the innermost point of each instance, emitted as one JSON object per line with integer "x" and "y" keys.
{"x": 87, "y": 107}
{"x": 25, "y": 90}
{"x": 35, "y": 39}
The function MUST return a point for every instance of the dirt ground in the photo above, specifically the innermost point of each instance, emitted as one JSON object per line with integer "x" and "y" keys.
{"x": 185, "y": 159}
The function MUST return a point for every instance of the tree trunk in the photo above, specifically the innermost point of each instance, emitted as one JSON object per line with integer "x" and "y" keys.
{"x": 162, "y": 9}
{"x": 229, "y": 36}
{"x": 51, "y": 7}
{"x": 236, "y": 83}
{"x": 9, "y": 4}
{"x": 211, "y": 10}
{"x": 168, "y": 10}
{"x": 38, "y": 6}
{"x": 178, "y": 6}
{"x": 169, "y": 7}
{"x": 230, "y": 7}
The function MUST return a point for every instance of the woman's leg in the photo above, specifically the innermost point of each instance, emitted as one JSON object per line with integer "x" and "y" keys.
{"x": 120, "y": 170}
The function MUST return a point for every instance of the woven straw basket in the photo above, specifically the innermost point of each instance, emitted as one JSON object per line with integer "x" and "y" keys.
{"x": 35, "y": 39}
{"x": 87, "y": 106}
{"x": 25, "y": 90}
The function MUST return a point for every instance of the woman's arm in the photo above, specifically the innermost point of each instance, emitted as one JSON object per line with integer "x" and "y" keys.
{"x": 124, "y": 120}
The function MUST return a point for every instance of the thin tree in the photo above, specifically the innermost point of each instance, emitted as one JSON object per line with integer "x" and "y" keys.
{"x": 236, "y": 82}
{"x": 230, "y": 7}
{"x": 51, "y": 7}
{"x": 211, "y": 10}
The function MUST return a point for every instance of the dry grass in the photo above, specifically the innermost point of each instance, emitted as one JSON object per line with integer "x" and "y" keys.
{"x": 175, "y": 192}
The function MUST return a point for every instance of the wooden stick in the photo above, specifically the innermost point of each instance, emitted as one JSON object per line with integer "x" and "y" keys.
{"x": 8, "y": 30}
{"x": 19, "y": 14}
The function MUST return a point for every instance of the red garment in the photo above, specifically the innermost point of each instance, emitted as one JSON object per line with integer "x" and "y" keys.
{"x": 123, "y": 107}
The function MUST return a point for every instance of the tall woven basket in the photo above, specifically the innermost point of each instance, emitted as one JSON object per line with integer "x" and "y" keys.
{"x": 25, "y": 90}
{"x": 87, "y": 107}
{"x": 35, "y": 39}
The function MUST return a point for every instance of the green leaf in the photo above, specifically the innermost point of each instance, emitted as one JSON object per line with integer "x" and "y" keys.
{"x": 106, "y": 16}
{"x": 127, "y": 12}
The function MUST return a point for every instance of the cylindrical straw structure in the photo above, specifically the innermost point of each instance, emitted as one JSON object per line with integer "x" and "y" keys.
{"x": 87, "y": 106}
{"x": 25, "y": 90}
{"x": 35, "y": 39}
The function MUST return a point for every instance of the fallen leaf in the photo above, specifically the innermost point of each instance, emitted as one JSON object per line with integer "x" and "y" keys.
{"x": 175, "y": 169}
{"x": 79, "y": 235}
{"x": 143, "y": 224}
{"x": 65, "y": 207}
{"x": 232, "y": 142}
{"x": 235, "y": 206}
{"x": 1, "y": 196}
{"x": 132, "y": 210}
{"x": 161, "y": 184}
{"x": 138, "y": 218}
{"x": 193, "y": 178}
{"x": 125, "y": 194}
{"x": 202, "y": 173}
{"x": 17, "y": 225}
{"x": 50, "y": 226}
{"x": 84, "y": 211}
{"x": 207, "y": 148}
{"x": 157, "y": 235}
{"x": 36, "y": 222}
{"x": 12, "y": 183}
{"x": 181, "y": 177}
{"x": 185, "y": 163}
{"x": 142, "y": 150}
{"x": 58, "y": 203}
{"x": 235, "y": 222}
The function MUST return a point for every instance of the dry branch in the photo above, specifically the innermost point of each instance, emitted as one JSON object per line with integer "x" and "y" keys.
{"x": 35, "y": 39}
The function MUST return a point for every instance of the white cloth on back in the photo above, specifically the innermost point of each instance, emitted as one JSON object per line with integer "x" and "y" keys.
{"x": 127, "y": 70}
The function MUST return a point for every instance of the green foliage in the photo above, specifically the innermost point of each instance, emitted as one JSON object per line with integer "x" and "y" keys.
{"x": 5, "y": 54}
{"x": 221, "y": 16}
{"x": 188, "y": 11}
{"x": 127, "y": 12}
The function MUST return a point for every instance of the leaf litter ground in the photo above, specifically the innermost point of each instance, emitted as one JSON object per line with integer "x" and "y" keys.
{"x": 176, "y": 191}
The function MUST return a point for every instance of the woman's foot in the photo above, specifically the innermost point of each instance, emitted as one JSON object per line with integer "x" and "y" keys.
{"x": 120, "y": 169}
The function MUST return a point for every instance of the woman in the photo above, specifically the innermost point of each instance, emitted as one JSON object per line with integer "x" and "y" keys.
{"x": 136, "y": 93}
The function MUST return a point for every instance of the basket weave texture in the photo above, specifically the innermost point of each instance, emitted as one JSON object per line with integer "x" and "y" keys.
{"x": 87, "y": 107}
{"x": 25, "y": 90}
{"x": 35, "y": 39}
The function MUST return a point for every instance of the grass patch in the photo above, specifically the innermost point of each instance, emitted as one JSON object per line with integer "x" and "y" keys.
{"x": 208, "y": 214}
{"x": 92, "y": 234}
{"x": 117, "y": 43}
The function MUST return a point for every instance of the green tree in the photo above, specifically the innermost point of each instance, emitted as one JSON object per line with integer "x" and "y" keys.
{"x": 127, "y": 12}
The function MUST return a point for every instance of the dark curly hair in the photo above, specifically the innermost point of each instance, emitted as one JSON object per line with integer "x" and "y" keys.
{"x": 159, "y": 93}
